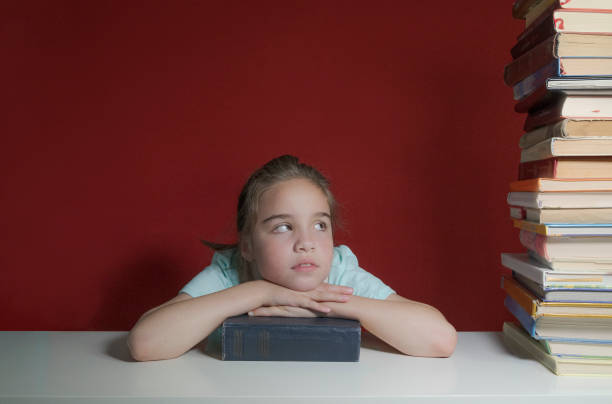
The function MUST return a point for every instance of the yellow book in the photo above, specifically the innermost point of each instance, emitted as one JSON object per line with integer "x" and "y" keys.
{"x": 565, "y": 229}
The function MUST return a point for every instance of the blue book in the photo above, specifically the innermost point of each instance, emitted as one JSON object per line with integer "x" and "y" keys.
{"x": 319, "y": 339}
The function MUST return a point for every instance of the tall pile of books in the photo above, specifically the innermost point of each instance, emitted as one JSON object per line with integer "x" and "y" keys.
{"x": 560, "y": 290}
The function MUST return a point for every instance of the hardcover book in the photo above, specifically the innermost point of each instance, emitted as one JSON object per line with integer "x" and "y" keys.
{"x": 536, "y": 307}
{"x": 581, "y": 85}
{"x": 559, "y": 69}
{"x": 567, "y": 167}
{"x": 560, "y": 200}
{"x": 518, "y": 340}
{"x": 520, "y": 8}
{"x": 564, "y": 295}
{"x": 546, "y": 7}
{"x": 562, "y": 185}
{"x": 568, "y": 128}
{"x": 571, "y": 216}
{"x": 568, "y": 248}
{"x": 572, "y": 54}
{"x": 320, "y": 339}
{"x": 568, "y": 147}
{"x": 550, "y": 279}
{"x": 593, "y": 329}
{"x": 566, "y": 229}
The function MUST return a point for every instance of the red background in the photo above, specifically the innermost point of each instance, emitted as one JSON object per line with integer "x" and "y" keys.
{"x": 128, "y": 129}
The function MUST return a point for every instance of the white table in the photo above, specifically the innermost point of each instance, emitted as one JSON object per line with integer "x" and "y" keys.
{"x": 64, "y": 367}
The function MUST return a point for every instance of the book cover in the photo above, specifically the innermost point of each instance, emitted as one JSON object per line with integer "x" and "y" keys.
{"x": 567, "y": 167}
{"x": 320, "y": 339}
{"x": 538, "y": 99}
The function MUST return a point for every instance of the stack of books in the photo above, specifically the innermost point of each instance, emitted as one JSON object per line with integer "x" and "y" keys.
{"x": 560, "y": 290}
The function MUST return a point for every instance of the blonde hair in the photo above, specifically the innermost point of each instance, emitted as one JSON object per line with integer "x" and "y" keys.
{"x": 277, "y": 170}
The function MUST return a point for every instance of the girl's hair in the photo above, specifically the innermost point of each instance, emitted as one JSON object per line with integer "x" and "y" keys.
{"x": 280, "y": 169}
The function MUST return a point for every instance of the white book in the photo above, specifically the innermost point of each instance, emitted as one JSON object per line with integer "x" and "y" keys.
{"x": 560, "y": 200}
{"x": 565, "y": 146}
{"x": 548, "y": 278}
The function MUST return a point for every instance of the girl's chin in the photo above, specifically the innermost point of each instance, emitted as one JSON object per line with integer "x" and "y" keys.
{"x": 303, "y": 285}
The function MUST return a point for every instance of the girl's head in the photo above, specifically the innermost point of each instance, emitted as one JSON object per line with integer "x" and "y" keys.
{"x": 285, "y": 220}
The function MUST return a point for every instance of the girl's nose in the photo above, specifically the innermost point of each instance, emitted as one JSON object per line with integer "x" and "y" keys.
{"x": 304, "y": 243}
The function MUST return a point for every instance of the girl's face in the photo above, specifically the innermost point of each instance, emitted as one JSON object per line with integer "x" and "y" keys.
{"x": 292, "y": 242}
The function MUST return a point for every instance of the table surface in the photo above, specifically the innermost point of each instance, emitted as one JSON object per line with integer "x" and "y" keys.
{"x": 71, "y": 366}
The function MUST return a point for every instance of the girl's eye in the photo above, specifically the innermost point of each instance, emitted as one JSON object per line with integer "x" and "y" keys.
{"x": 282, "y": 228}
{"x": 321, "y": 226}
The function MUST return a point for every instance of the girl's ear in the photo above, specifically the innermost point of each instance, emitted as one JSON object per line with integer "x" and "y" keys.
{"x": 246, "y": 249}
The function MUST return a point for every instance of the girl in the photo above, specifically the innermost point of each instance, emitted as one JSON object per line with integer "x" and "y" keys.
{"x": 285, "y": 264}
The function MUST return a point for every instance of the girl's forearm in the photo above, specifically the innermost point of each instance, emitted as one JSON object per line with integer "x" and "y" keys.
{"x": 412, "y": 328}
{"x": 173, "y": 329}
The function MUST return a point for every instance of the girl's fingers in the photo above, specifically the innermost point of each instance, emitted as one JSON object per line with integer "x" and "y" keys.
{"x": 282, "y": 311}
{"x": 331, "y": 297}
{"x": 326, "y": 287}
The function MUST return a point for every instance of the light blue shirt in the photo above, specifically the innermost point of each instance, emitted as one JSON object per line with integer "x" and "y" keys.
{"x": 222, "y": 273}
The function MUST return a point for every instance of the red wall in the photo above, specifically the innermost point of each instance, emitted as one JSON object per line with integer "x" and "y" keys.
{"x": 129, "y": 128}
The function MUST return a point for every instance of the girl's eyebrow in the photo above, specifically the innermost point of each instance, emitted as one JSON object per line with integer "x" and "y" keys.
{"x": 287, "y": 216}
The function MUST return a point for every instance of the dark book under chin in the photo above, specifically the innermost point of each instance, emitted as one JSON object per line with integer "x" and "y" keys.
{"x": 318, "y": 339}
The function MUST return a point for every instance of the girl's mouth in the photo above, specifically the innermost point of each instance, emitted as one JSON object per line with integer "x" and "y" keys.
{"x": 305, "y": 267}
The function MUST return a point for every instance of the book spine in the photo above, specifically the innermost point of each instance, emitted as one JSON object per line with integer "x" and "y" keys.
{"x": 543, "y": 133}
{"x": 540, "y": 151}
{"x": 545, "y": 116}
{"x": 521, "y": 315}
{"x": 260, "y": 343}
{"x": 521, "y": 7}
{"x": 531, "y": 227}
{"x": 531, "y": 83}
{"x": 538, "y": 99}
{"x": 535, "y": 242}
{"x": 517, "y": 212}
{"x": 520, "y": 295}
{"x": 533, "y": 35}
{"x": 528, "y": 63}
{"x": 538, "y": 169}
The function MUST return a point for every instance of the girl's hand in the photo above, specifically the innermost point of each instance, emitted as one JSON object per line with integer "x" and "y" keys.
{"x": 281, "y": 301}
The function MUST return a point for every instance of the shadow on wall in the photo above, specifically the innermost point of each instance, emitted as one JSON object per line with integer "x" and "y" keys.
{"x": 149, "y": 280}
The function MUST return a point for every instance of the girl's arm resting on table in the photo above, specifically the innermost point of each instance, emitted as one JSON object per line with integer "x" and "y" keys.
{"x": 173, "y": 328}
{"x": 412, "y": 328}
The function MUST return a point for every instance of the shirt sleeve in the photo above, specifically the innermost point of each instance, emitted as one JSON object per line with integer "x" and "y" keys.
{"x": 346, "y": 271}
{"x": 217, "y": 276}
